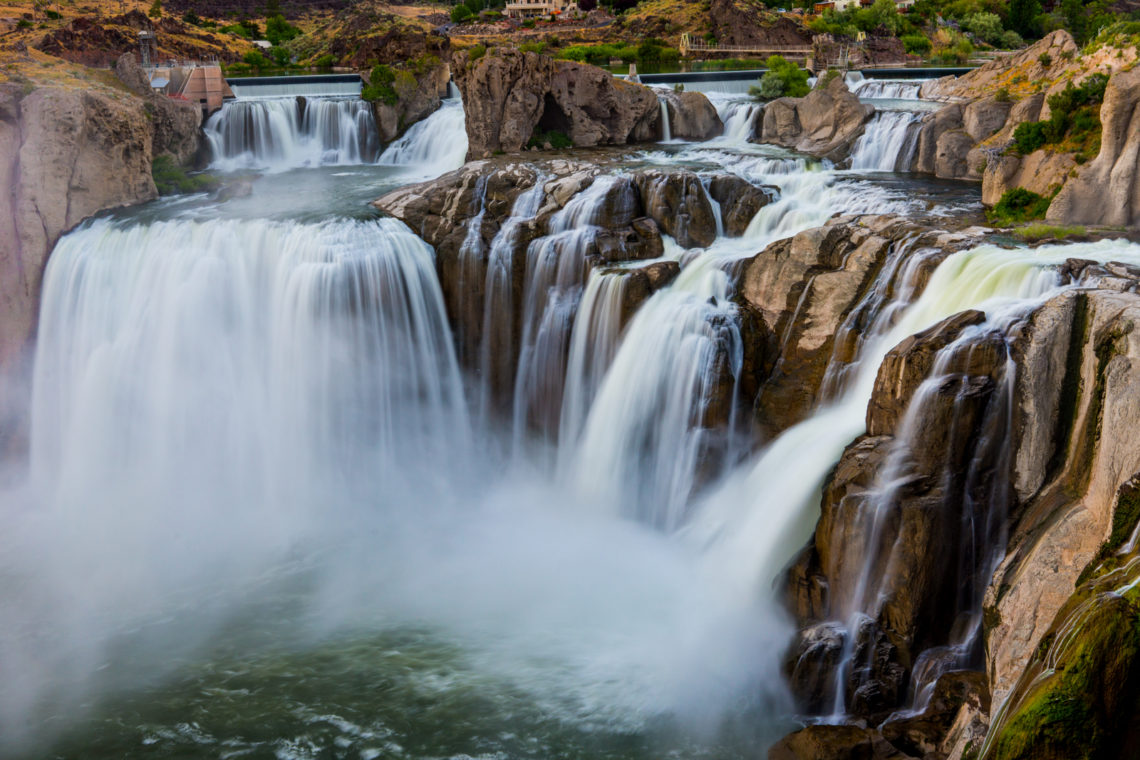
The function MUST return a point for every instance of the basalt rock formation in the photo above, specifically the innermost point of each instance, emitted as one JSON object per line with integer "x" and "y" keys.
{"x": 973, "y": 139}
{"x": 412, "y": 105}
{"x": 472, "y": 219}
{"x": 100, "y": 42}
{"x": 1107, "y": 190}
{"x": 825, "y": 123}
{"x": 994, "y": 478}
{"x": 65, "y": 154}
{"x": 509, "y": 95}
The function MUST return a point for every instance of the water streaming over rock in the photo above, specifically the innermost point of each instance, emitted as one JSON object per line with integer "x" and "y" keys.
{"x": 276, "y": 134}
{"x": 891, "y": 89}
{"x": 433, "y": 146}
{"x": 888, "y": 142}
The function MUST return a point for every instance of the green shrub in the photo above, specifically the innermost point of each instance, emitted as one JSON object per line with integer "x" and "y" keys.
{"x": 477, "y": 52}
{"x": 192, "y": 18}
{"x": 278, "y": 30}
{"x": 528, "y": 24}
{"x": 985, "y": 26}
{"x": 1018, "y": 205}
{"x": 1029, "y": 136}
{"x": 1045, "y": 59}
{"x": 460, "y": 13}
{"x": 783, "y": 79}
{"x": 23, "y": 24}
{"x": 255, "y": 59}
{"x": 916, "y": 44}
{"x": 533, "y": 47}
{"x": 238, "y": 30}
{"x": 53, "y": 15}
{"x": 171, "y": 178}
{"x": 379, "y": 87}
{"x": 326, "y": 61}
{"x": 1011, "y": 40}
{"x": 1003, "y": 96}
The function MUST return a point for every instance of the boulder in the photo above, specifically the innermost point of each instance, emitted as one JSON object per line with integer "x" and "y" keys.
{"x": 739, "y": 201}
{"x": 691, "y": 115}
{"x": 508, "y": 94}
{"x": 1107, "y": 190}
{"x": 825, "y": 743}
{"x": 922, "y": 734}
{"x": 677, "y": 201}
{"x": 1041, "y": 172}
{"x": 824, "y": 123}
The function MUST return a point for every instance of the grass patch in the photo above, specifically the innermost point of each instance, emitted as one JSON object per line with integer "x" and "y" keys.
{"x": 1034, "y": 232}
{"x": 558, "y": 140}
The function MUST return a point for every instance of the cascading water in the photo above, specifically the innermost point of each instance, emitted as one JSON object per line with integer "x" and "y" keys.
{"x": 888, "y": 142}
{"x": 286, "y": 133}
{"x": 666, "y": 132}
{"x": 556, "y": 271}
{"x": 885, "y": 89}
{"x": 433, "y": 146}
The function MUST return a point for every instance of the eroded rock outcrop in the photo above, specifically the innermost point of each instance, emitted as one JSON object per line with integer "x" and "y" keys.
{"x": 824, "y": 123}
{"x": 413, "y": 104}
{"x": 508, "y": 95}
{"x": 67, "y": 153}
{"x": 1107, "y": 190}
{"x": 691, "y": 116}
{"x": 987, "y": 440}
{"x": 474, "y": 216}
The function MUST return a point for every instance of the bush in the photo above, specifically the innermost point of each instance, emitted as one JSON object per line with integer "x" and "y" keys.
{"x": 1011, "y": 40}
{"x": 528, "y": 24}
{"x": 192, "y": 18}
{"x": 278, "y": 30}
{"x": 1018, "y": 205}
{"x": 325, "y": 61}
{"x": 1045, "y": 59}
{"x": 985, "y": 26}
{"x": 460, "y": 13}
{"x": 280, "y": 56}
{"x": 783, "y": 79}
{"x": 53, "y": 15}
{"x": 477, "y": 52}
{"x": 255, "y": 59}
{"x": 533, "y": 47}
{"x": 1029, "y": 136}
{"x": 170, "y": 178}
{"x": 155, "y": 9}
{"x": 379, "y": 87}
{"x": 1003, "y": 96}
{"x": 23, "y": 24}
{"x": 916, "y": 44}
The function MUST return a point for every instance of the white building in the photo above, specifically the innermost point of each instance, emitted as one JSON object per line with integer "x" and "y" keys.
{"x": 534, "y": 8}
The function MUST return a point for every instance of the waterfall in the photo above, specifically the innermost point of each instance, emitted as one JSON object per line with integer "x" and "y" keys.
{"x": 556, "y": 270}
{"x": 739, "y": 118}
{"x": 593, "y": 344}
{"x": 666, "y": 133}
{"x": 888, "y": 142}
{"x": 677, "y": 352}
{"x": 496, "y": 365}
{"x": 433, "y": 146}
{"x": 884, "y": 89}
{"x": 285, "y": 133}
{"x": 294, "y": 350}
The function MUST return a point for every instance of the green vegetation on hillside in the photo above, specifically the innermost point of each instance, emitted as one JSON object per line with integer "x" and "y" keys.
{"x": 782, "y": 79}
{"x": 1073, "y": 124}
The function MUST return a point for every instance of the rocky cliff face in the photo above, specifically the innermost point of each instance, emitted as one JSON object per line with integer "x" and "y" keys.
{"x": 509, "y": 95}
{"x": 825, "y": 123}
{"x": 474, "y": 219}
{"x": 987, "y": 445}
{"x": 971, "y": 139}
{"x": 392, "y": 120}
{"x": 1107, "y": 190}
{"x": 65, "y": 154}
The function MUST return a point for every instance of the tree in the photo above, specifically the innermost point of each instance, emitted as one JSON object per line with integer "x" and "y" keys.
{"x": 155, "y": 9}
{"x": 1024, "y": 17}
{"x": 985, "y": 26}
{"x": 459, "y": 13}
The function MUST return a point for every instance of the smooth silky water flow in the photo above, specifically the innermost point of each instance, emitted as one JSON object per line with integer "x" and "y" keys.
{"x": 262, "y": 520}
